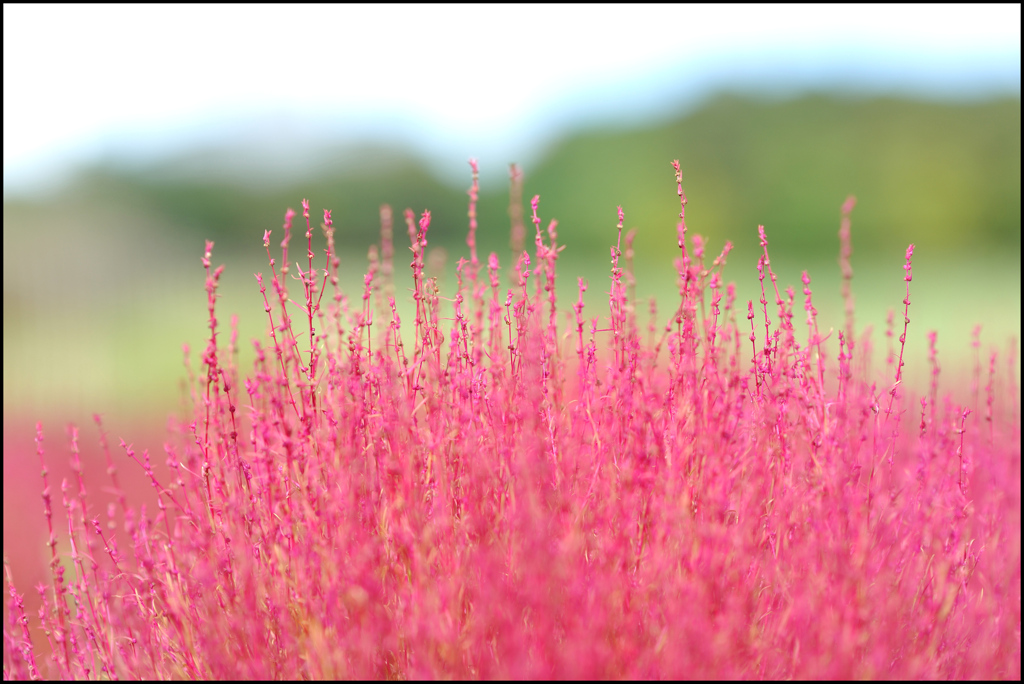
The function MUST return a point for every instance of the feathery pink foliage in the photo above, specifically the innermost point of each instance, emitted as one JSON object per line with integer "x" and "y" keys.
{"x": 530, "y": 502}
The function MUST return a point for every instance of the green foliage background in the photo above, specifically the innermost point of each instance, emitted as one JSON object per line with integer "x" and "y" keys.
{"x": 101, "y": 280}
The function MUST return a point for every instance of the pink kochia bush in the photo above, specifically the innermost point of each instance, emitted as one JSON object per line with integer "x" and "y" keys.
{"x": 722, "y": 495}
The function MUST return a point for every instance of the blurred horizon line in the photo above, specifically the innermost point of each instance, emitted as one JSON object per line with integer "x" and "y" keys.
{"x": 280, "y": 144}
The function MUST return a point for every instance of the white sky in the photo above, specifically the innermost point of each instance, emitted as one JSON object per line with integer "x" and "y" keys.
{"x": 80, "y": 81}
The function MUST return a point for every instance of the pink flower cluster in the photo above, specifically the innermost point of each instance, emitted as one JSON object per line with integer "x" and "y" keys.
{"x": 510, "y": 496}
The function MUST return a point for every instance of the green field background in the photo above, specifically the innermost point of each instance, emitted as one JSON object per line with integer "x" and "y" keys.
{"x": 103, "y": 283}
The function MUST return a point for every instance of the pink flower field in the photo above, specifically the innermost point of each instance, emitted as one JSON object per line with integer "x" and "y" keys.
{"x": 511, "y": 487}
